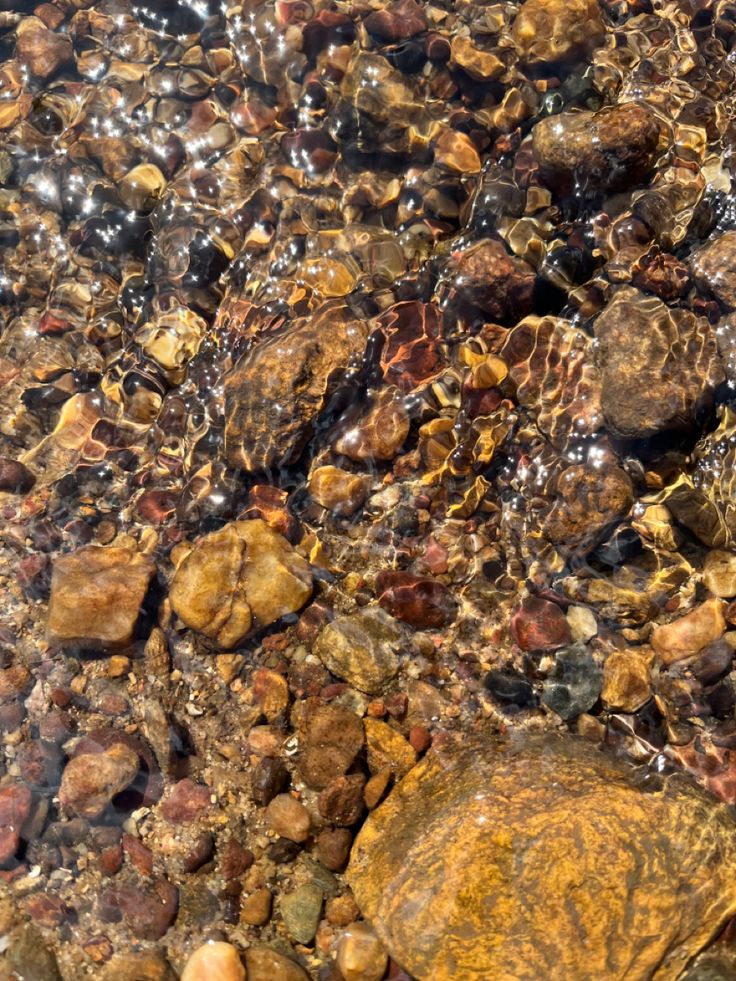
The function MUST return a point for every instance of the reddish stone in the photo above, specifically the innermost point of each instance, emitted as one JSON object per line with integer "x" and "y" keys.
{"x": 342, "y": 801}
{"x": 185, "y": 802}
{"x": 157, "y": 506}
{"x": 111, "y": 859}
{"x": 11, "y": 716}
{"x": 436, "y": 557}
{"x": 148, "y": 908}
{"x": 411, "y": 353}
{"x": 420, "y": 739}
{"x": 397, "y": 21}
{"x": 202, "y": 850}
{"x": 139, "y": 855}
{"x": 15, "y": 808}
{"x": 39, "y": 763}
{"x": 269, "y": 504}
{"x": 539, "y": 625}
{"x": 312, "y": 620}
{"x": 235, "y": 860}
{"x": 417, "y": 600}
{"x": 46, "y": 909}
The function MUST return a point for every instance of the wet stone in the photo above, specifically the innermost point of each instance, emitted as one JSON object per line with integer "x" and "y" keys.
{"x": 268, "y": 778}
{"x": 341, "y": 802}
{"x": 15, "y": 808}
{"x": 28, "y": 956}
{"x": 589, "y": 152}
{"x": 396, "y": 21}
{"x": 301, "y": 910}
{"x": 509, "y": 688}
{"x": 487, "y": 277}
{"x": 15, "y": 478}
{"x": 713, "y": 268}
{"x": 420, "y": 601}
{"x": 216, "y": 961}
{"x": 288, "y": 818}
{"x": 147, "y": 907}
{"x": 387, "y": 749}
{"x": 689, "y": 634}
{"x": 186, "y": 801}
{"x": 143, "y": 966}
{"x": 331, "y": 737}
{"x": 719, "y": 573}
{"x": 333, "y": 848}
{"x": 96, "y": 596}
{"x": 362, "y": 648}
{"x": 360, "y": 955}
{"x": 562, "y": 805}
{"x": 255, "y": 910}
{"x": 574, "y": 684}
{"x": 626, "y": 681}
{"x": 91, "y": 780}
{"x": 587, "y": 502}
{"x": 539, "y": 625}
{"x": 547, "y": 32}
{"x": 265, "y": 964}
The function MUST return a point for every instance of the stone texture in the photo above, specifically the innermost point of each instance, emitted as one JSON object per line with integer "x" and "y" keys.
{"x": 573, "y": 684}
{"x": 214, "y": 962}
{"x": 144, "y": 966}
{"x": 244, "y": 576}
{"x": 591, "y": 152}
{"x": 552, "y": 31}
{"x": 15, "y": 808}
{"x": 339, "y": 491}
{"x": 91, "y": 780}
{"x": 361, "y": 648}
{"x": 96, "y": 596}
{"x": 539, "y": 625}
{"x": 300, "y": 911}
{"x": 438, "y": 869}
{"x": 487, "y": 277}
{"x": 714, "y": 268}
{"x": 420, "y": 601}
{"x": 387, "y": 748}
{"x": 330, "y": 738}
{"x": 265, "y": 964}
{"x": 270, "y": 416}
{"x": 689, "y": 634}
{"x": 719, "y": 573}
{"x": 587, "y": 502}
{"x": 626, "y": 681}
{"x": 288, "y": 817}
{"x": 360, "y": 955}
{"x": 659, "y": 366}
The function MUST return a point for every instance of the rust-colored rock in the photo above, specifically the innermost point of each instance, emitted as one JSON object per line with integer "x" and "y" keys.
{"x": 487, "y": 277}
{"x": 96, "y": 596}
{"x": 464, "y": 867}
{"x": 339, "y": 491}
{"x": 91, "y": 780}
{"x": 279, "y": 388}
{"x": 591, "y": 152}
{"x": 420, "y": 601}
{"x": 244, "y": 576}
{"x": 589, "y": 499}
{"x": 539, "y": 625}
{"x": 659, "y": 366}
{"x": 626, "y": 681}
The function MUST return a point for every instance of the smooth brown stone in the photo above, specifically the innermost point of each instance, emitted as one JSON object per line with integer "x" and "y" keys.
{"x": 626, "y": 681}
{"x": 714, "y": 268}
{"x": 265, "y": 964}
{"x": 361, "y": 648}
{"x": 96, "y": 596}
{"x": 620, "y": 879}
{"x": 538, "y": 625}
{"x": 487, "y": 277}
{"x": 242, "y": 577}
{"x": 420, "y": 601}
{"x": 330, "y": 738}
{"x": 339, "y": 491}
{"x": 587, "y": 501}
{"x": 90, "y": 781}
{"x": 689, "y": 634}
{"x": 719, "y": 573}
{"x": 553, "y": 31}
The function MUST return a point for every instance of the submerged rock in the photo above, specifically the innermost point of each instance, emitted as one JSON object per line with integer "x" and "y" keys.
{"x": 588, "y": 501}
{"x": 437, "y": 869}
{"x": 689, "y": 634}
{"x": 244, "y": 576}
{"x": 592, "y": 152}
{"x": 714, "y": 268}
{"x": 659, "y": 366}
{"x": 362, "y": 648}
{"x": 551, "y": 31}
{"x": 487, "y": 277}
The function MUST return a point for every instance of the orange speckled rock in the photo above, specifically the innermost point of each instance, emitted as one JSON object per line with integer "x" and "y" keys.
{"x": 544, "y": 858}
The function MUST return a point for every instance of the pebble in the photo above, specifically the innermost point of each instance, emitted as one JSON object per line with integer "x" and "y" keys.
{"x": 360, "y": 955}
{"x": 713, "y": 268}
{"x": 509, "y": 687}
{"x": 574, "y": 684}
{"x": 216, "y": 961}
{"x": 341, "y": 802}
{"x": 148, "y": 965}
{"x": 271, "y": 692}
{"x": 265, "y": 964}
{"x": 44, "y": 52}
{"x": 539, "y": 625}
{"x": 376, "y": 787}
{"x": 485, "y": 276}
{"x": 587, "y": 502}
{"x": 255, "y": 909}
{"x": 340, "y": 491}
{"x": 420, "y": 601}
{"x": 626, "y": 681}
{"x": 15, "y": 478}
{"x": 396, "y": 21}
{"x": 96, "y": 596}
{"x": 330, "y": 739}
{"x": 387, "y": 748}
{"x": 301, "y": 910}
{"x": 288, "y": 818}
{"x": 362, "y": 648}
{"x": 582, "y": 623}
{"x": 719, "y": 573}
{"x": 235, "y": 859}
{"x": 91, "y": 780}
{"x": 333, "y": 848}
{"x": 15, "y": 809}
{"x": 547, "y": 32}
{"x": 689, "y": 634}
{"x": 148, "y": 906}
{"x": 268, "y": 777}
{"x": 185, "y": 801}
{"x": 27, "y": 958}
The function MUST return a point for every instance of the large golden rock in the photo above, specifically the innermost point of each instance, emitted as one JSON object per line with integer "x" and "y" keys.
{"x": 542, "y": 858}
{"x": 242, "y": 577}
{"x": 96, "y": 596}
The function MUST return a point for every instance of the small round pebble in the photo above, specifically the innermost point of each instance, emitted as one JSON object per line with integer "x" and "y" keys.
{"x": 214, "y": 962}
{"x": 288, "y": 818}
{"x": 360, "y": 955}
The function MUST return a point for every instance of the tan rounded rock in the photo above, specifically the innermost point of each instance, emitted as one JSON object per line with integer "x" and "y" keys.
{"x": 362, "y": 647}
{"x": 626, "y": 681}
{"x": 265, "y": 964}
{"x": 339, "y": 491}
{"x": 288, "y": 817}
{"x": 214, "y": 962}
{"x": 360, "y": 955}
{"x": 242, "y": 577}
{"x": 544, "y": 858}
{"x": 688, "y": 635}
{"x": 719, "y": 573}
{"x": 91, "y": 780}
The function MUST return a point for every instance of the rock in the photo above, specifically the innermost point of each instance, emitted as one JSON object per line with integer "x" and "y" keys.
{"x": 556, "y": 31}
{"x": 330, "y": 739}
{"x": 438, "y": 868}
{"x": 271, "y": 692}
{"x": 713, "y": 268}
{"x": 268, "y": 777}
{"x": 185, "y": 802}
{"x": 689, "y": 634}
{"x": 716, "y": 964}
{"x": 387, "y": 748}
{"x": 713, "y": 662}
{"x": 360, "y": 955}
{"x": 91, "y": 780}
{"x": 587, "y": 502}
{"x": 235, "y": 860}
{"x": 27, "y": 956}
{"x": 659, "y": 366}
{"x": 147, "y": 965}
{"x": 43, "y": 52}
{"x": 333, "y": 848}
{"x": 341, "y": 802}
{"x": 96, "y": 596}
{"x": 377, "y": 786}
{"x": 39, "y": 763}
{"x": 255, "y": 910}
{"x": 15, "y": 809}
{"x": 361, "y": 648}
{"x": 719, "y": 573}
{"x": 243, "y": 577}
{"x": 592, "y": 152}
{"x": 479, "y": 64}
{"x": 339, "y": 491}
{"x": 378, "y": 433}
{"x": 301, "y": 911}
{"x": 269, "y": 418}
{"x": 148, "y": 906}
{"x": 15, "y": 478}
{"x": 574, "y": 684}
{"x": 456, "y": 152}
{"x": 509, "y": 688}
{"x": 214, "y": 961}
{"x": 485, "y": 276}
{"x": 397, "y": 21}
{"x": 538, "y": 625}
{"x": 264, "y": 964}
{"x": 420, "y": 601}
{"x": 663, "y": 274}
{"x": 626, "y": 681}
{"x": 288, "y": 818}
{"x": 582, "y": 622}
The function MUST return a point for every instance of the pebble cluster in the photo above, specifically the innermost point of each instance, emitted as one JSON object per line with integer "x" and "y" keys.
{"x": 366, "y": 385}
